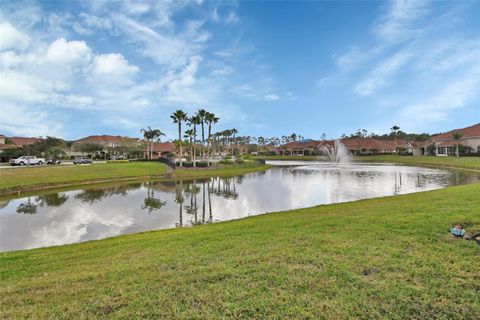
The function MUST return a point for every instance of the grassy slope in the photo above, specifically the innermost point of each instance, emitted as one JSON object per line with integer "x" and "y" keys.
{"x": 219, "y": 172}
{"x": 382, "y": 258}
{"x": 299, "y": 158}
{"x": 35, "y": 176}
{"x": 18, "y": 178}
{"x": 449, "y": 162}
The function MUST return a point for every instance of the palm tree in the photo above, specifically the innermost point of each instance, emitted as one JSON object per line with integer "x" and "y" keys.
{"x": 189, "y": 135}
{"x": 210, "y": 118}
{"x": 194, "y": 120}
{"x": 202, "y": 113}
{"x": 146, "y": 135}
{"x": 395, "y": 130}
{"x": 457, "y": 136}
{"x": 155, "y": 135}
{"x": 233, "y": 132}
{"x": 178, "y": 117}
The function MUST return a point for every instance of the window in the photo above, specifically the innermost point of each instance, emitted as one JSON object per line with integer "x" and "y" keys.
{"x": 441, "y": 150}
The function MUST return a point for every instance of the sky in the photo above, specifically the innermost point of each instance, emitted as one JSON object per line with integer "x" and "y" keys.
{"x": 267, "y": 68}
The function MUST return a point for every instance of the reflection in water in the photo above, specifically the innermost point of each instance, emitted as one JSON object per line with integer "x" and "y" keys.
{"x": 27, "y": 207}
{"x": 150, "y": 203}
{"x": 99, "y": 212}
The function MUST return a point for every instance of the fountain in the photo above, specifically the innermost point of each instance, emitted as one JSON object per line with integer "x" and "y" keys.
{"x": 337, "y": 153}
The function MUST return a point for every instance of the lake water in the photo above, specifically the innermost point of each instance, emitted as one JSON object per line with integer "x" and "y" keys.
{"x": 98, "y": 212}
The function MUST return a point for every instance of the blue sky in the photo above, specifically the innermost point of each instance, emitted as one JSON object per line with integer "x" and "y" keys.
{"x": 74, "y": 68}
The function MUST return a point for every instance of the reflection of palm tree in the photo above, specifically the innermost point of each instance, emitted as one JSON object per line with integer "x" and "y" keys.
{"x": 151, "y": 203}
{"x": 210, "y": 201}
{"x": 179, "y": 199}
{"x": 91, "y": 195}
{"x": 27, "y": 207}
{"x": 203, "y": 203}
{"x": 52, "y": 200}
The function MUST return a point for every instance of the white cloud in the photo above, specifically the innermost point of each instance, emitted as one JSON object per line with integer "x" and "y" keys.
{"x": 271, "y": 97}
{"x": 25, "y": 121}
{"x": 401, "y": 19}
{"x": 112, "y": 64}
{"x": 62, "y": 51}
{"x": 11, "y": 38}
{"x": 381, "y": 75}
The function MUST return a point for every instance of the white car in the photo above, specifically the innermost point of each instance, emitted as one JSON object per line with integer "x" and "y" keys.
{"x": 27, "y": 160}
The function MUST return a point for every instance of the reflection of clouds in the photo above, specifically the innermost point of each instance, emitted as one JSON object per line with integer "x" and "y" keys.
{"x": 73, "y": 216}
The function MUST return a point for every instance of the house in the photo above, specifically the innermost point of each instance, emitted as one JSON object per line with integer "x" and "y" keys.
{"x": 21, "y": 141}
{"x": 371, "y": 146}
{"x": 160, "y": 149}
{"x": 114, "y": 146}
{"x": 305, "y": 147}
{"x": 15, "y": 142}
{"x": 420, "y": 148}
{"x": 5, "y": 146}
{"x": 446, "y": 145}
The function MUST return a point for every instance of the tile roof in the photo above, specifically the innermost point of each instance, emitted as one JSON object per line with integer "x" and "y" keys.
{"x": 21, "y": 141}
{"x": 368, "y": 144}
{"x": 163, "y": 147}
{"x": 105, "y": 139}
{"x": 468, "y": 132}
{"x": 4, "y": 146}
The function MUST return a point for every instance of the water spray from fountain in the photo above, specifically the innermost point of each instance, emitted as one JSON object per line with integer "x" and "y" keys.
{"x": 337, "y": 153}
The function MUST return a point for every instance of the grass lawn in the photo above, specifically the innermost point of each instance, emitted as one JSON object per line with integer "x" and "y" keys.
{"x": 298, "y": 158}
{"x": 382, "y": 258}
{"x": 13, "y": 179}
{"x": 23, "y": 178}
{"x": 449, "y": 162}
{"x": 220, "y": 171}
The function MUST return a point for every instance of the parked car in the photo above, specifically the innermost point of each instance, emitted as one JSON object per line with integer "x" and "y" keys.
{"x": 27, "y": 160}
{"x": 53, "y": 161}
{"x": 82, "y": 160}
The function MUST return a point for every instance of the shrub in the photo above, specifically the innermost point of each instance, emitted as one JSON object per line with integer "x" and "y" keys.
{"x": 118, "y": 161}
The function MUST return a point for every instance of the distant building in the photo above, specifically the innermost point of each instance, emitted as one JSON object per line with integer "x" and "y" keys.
{"x": 112, "y": 145}
{"x": 355, "y": 146}
{"x": 445, "y": 144}
{"x": 160, "y": 149}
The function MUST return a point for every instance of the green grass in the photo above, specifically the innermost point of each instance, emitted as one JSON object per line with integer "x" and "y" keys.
{"x": 448, "y": 162}
{"x": 15, "y": 179}
{"x": 36, "y": 176}
{"x": 220, "y": 171}
{"x": 287, "y": 158}
{"x": 373, "y": 259}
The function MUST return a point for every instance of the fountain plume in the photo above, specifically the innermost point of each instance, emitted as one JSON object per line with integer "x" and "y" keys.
{"x": 336, "y": 153}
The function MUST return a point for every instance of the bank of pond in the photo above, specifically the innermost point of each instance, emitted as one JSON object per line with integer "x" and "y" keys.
{"x": 96, "y": 212}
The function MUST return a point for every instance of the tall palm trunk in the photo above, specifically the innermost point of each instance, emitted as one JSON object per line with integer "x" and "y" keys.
{"x": 194, "y": 144}
{"x": 180, "y": 141}
{"x": 148, "y": 149}
{"x": 209, "y": 141}
{"x": 203, "y": 140}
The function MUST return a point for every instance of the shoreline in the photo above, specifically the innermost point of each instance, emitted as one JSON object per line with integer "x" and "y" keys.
{"x": 169, "y": 175}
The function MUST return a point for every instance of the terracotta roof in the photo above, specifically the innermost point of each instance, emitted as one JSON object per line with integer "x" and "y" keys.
{"x": 105, "y": 139}
{"x": 421, "y": 144}
{"x": 450, "y": 143}
{"x": 302, "y": 144}
{"x": 468, "y": 132}
{"x": 368, "y": 144}
{"x": 163, "y": 147}
{"x": 7, "y": 146}
{"x": 20, "y": 141}
{"x": 2, "y": 136}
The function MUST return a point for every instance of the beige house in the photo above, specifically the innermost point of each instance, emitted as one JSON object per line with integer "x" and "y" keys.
{"x": 445, "y": 145}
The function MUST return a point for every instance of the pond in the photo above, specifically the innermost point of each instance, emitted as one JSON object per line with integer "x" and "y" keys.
{"x": 96, "y": 212}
